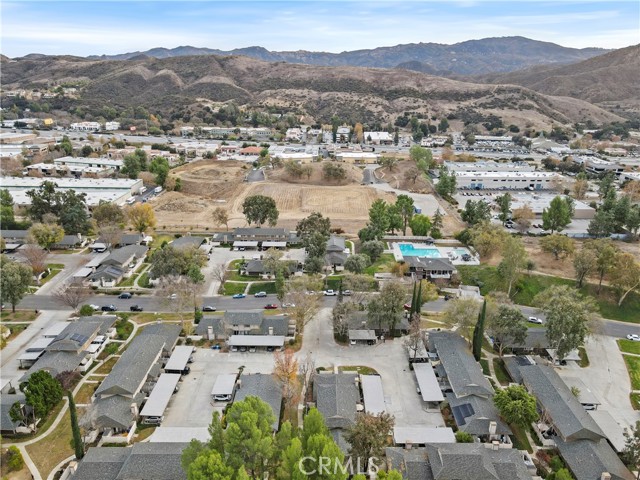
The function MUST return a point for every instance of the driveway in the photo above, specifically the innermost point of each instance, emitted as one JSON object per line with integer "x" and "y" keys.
{"x": 192, "y": 406}
{"x": 255, "y": 175}
{"x": 389, "y": 359}
{"x": 607, "y": 377}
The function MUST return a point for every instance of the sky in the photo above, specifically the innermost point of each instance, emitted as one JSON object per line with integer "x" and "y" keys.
{"x": 109, "y": 27}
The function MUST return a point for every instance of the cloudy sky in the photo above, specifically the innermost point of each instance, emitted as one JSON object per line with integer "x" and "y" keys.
{"x": 109, "y": 27}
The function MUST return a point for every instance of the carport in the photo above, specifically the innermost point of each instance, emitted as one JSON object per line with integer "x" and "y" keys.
{"x": 372, "y": 394}
{"x": 178, "y": 361}
{"x": 245, "y": 244}
{"x": 362, "y": 336}
{"x": 157, "y": 402}
{"x": 428, "y": 383}
{"x": 272, "y": 244}
{"x": 224, "y": 386}
{"x": 422, "y": 435}
{"x": 256, "y": 341}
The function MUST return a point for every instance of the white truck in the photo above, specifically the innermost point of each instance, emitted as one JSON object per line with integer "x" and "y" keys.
{"x": 330, "y": 293}
{"x": 157, "y": 190}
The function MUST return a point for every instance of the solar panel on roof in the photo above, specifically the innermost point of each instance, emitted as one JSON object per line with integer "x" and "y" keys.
{"x": 81, "y": 339}
{"x": 461, "y": 412}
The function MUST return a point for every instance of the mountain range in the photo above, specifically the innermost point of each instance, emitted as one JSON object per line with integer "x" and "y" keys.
{"x": 488, "y": 55}
{"x": 177, "y": 87}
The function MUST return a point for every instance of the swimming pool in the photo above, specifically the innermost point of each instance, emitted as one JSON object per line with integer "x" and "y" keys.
{"x": 410, "y": 250}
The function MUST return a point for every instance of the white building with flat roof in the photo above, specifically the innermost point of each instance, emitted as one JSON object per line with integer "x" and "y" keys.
{"x": 489, "y": 166}
{"x": 83, "y": 162}
{"x": 378, "y": 138}
{"x": 537, "y": 202}
{"x": 597, "y": 165}
{"x": 96, "y": 189}
{"x": 85, "y": 126}
{"x": 358, "y": 158}
{"x": 506, "y": 180}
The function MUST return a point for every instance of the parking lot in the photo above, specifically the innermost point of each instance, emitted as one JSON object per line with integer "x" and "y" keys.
{"x": 192, "y": 405}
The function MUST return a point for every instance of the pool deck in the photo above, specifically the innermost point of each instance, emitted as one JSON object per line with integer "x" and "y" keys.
{"x": 454, "y": 254}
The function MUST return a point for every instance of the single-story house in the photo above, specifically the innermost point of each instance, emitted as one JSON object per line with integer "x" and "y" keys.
{"x": 252, "y": 237}
{"x": 337, "y": 397}
{"x": 337, "y": 252}
{"x": 247, "y": 322}
{"x": 265, "y": 387}
{"x": 431, "y": 268}
{"x": 7, "y": 424}
{"x": 70, "y": 241}
{"x": 257, "y": 267}
{"x": 187, "y": 241}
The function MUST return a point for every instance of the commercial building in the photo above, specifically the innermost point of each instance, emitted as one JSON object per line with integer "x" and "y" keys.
{"x": 596, "y": 165}
{"x": 357, "y": 158}
{"x": 96, "y": 189}
{"x": 80, "y": 163}
{"x": 85, "y": 126}
{"x": 506, "y": 180}
{"x": 489, "y": 166}
{"x": 538, "y": 202}
{"x": 378, "y": 138}
{"x": 9, "y": 137}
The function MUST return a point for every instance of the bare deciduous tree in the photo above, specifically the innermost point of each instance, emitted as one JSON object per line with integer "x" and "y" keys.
{"x": 71, "y": 295}
{"x": 415, "y": 340}
{"x": 36, "y": 258}
{"x": 110, "y": 234}
{"x": 179, "y": 294}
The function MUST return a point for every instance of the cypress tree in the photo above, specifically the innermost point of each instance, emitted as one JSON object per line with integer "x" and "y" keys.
{"x": 478, "y": 333}
{"x": 419, "y": 299}
{"x": 75, "y": 429}
{"x": 413, "y": 301}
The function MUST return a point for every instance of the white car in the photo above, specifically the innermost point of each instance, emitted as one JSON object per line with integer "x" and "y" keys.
{"x": 633, "y": 337}
{"x": 330, "y": 293}
{"x": 535, "y": 320}
{"x": 95, "y": 307}
{"x": 288, "y": 305}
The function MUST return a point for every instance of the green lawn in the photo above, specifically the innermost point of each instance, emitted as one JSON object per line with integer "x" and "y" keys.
{"x": 158, "y": 239}
{"x": 123, "y": 329}
{"x": 231, "y": 288}
{"x": 520, "y": 439}
{"x": 484, "y": 363}
{"x": 635, "y": 400}
{"x": 54, "y": 269}
{"x": 19, "y": 316}
{"x": 501, "y": 372}
{"x": 633, "y": 367}
{"x": 235, "y": 264}
{"x": 584, "y": 358}
{"x": 361, "y": 369}
{"x": 129, "y": 282}
{"x": 488, "y": 279}
{"x": 383, "y": 264}
{"x": 269, "y": 287}
{"x": 144, "y": 280}
{"x": 629, "y": 346}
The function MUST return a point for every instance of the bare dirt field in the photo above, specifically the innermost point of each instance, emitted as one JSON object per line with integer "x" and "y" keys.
{"x": 397, "y": 177}
{"x": 211, "y": 184}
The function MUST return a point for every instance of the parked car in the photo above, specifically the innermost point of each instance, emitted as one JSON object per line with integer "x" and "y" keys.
{"x": 208, "y": 308}
{"x": 260, "y": 294}
{"x": 330, "y": 293}
{"x": 270, "y": 306}
{"x": 239, "y": 295}
{"x": 346, "y": 293}
{"x": 173, "y": 296}
{"x": 109, "y": 308}
{"x": 448, "y": 297}
{"x": 535, "y": 320}
{"x": 407, "y": 306}
{"x": 136, "y": 308}
{"x": 94, "y": 307}
{"x": 288, "y": 305}
{"x": 633, "y": 337}
{"x": 125, "y": 295}
{"x": 252, "y": 350}
{"x": 271, "y": 349}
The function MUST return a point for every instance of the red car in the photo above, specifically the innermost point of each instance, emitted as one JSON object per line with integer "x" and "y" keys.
{"x": 407, "y": 306}
{"x": 270, "y": 306}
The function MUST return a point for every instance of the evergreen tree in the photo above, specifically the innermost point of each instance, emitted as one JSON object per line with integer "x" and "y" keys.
{"x": 478, "y": 333}
{"x": 78, "y": 446}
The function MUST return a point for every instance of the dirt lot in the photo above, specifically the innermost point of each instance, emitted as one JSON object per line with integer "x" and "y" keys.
{"x": 211, "y": 184}
{"x": 397, "y": 177}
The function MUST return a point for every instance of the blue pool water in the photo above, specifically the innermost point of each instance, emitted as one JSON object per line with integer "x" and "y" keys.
{"x": 408, "y": 250}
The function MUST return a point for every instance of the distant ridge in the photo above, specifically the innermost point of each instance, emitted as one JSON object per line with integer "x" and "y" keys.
{"x": 488, "y": 55}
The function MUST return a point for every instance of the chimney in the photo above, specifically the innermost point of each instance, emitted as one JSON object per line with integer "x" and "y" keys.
{"x": 210, "y": 334}
{"x": 134, "y": 410}
{"x": 495, "y": 445}
{"x": 73, "y": 466}
{"x": 493, "y": 426}
{"x": 605, "y": 476}
{"x": 270, "y": 330}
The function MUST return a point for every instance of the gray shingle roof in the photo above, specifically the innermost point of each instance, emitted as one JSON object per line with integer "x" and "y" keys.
{"x": 14, "y": 234}
{"x": 101, "y": 463}
{"x": 588, "y": 459}
{"x": 107, "y": 272}
{"x": 264, "y": 387}
{"x": 69, "y": 241}
{"x": 279, "y": 324}
{"x": 430, "y": 264}
{"x": 154, "y": 461}
{"x": 6, "y": 402}
{"x": 170, "y": 333}
{"x": 336, "y": 244}
{"x": 261, "y": 232}
{"x": 129, "y": 373}
{"x": 473, "y": 461}
{"x": 463, "y": 372}
{"x": 570, "y": 420}
{"x": 536, "y": 338}
{"x": 187, "y": 241}
{"x": 474, "y": 414}
{"x": 215, "y": 322}
{"x": 335, "y": 258}
{"x": 412, "y": 464}
{"x": 143, "y": 461}
{"x": 115, "y": 411}
{"x": 75, "y": 336}
{"x": 244, "y": 317}
{"x": 121, "y": 256}
{"x": 55, "y": 363}
{"x": 336, "y": 397}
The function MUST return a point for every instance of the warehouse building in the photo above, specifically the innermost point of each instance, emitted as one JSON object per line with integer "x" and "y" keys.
{"x": 506, "y": 180}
